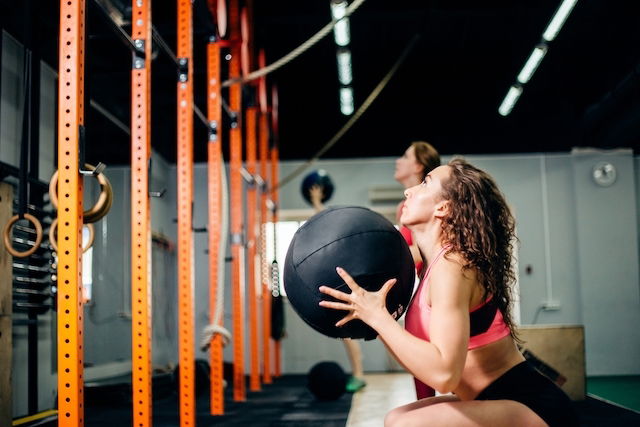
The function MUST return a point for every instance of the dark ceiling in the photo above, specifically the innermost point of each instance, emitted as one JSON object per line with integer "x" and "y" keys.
{"x": 447, "y": 91}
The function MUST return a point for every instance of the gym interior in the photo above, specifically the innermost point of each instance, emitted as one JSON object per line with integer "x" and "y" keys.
{"x": 153, "y": 158}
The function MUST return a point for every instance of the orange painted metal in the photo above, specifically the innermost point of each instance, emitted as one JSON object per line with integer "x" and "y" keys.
{"x": 214, "y": 173}
{"x": 237, "y": 250}
{"x": 186, "y": 322}
{"x": 264, "y": 219}
{"x": 277, "y": 365}
{"x": 141, "y": 286}
{"x": 70, "y": 118}
{"x": 252, "y": 205}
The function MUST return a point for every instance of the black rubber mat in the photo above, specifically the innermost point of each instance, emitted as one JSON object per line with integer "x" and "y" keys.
{"x": 597, "y": 413}
{"x": 287, "y": 402}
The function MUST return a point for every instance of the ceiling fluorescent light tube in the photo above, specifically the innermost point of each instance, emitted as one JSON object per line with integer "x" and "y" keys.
{"x": 532, "y": 63}
{"x": 345, "y": 75}
{"x": 338, "y": 9}
{"x": 510, "y": 100}
{"x": 558, "y": 19}
{"x": 341, "y": 28}
{"x": 341, "y": 32}
{"x": 346, "y": 101}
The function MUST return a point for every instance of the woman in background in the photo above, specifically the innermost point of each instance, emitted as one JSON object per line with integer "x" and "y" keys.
{"x": 414, "y": 165}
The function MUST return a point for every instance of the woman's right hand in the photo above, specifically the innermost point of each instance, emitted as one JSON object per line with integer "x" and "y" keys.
{"x": 370, "y": 307}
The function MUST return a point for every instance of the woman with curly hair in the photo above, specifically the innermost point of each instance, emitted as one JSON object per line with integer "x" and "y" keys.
{"x": 460, "y": 338}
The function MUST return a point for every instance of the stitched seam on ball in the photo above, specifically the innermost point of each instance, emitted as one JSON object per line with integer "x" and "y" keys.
{"x": 342, "y": 238}
{"x": 319, "y": 215}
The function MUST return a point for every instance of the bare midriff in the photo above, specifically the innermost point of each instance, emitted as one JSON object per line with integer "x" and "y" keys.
{"x": 485, "y": 364}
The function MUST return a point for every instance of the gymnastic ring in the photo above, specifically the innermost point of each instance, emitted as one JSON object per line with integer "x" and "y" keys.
{"x": 94, "y": 216}
{"x": 97, "y": 212}
{"x": 102, "y": 205}
{"x": 7, "y": 236}
{"x": 52, "y": 236}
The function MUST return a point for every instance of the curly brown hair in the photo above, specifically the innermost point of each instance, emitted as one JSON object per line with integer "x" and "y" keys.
{"x": 481, "y": 228}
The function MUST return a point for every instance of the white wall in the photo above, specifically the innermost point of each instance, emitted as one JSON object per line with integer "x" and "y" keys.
{"x": 608, "y": 264}
{"x": 578, "y": 245}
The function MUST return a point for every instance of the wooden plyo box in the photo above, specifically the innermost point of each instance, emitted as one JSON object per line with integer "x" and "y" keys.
{"x": 562, "y": 348}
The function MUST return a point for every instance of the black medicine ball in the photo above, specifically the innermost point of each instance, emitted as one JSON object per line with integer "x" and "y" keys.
{"x": 327, "y": 381}
{"x": 317, "y": 177}
{"x": 362, "y": 242}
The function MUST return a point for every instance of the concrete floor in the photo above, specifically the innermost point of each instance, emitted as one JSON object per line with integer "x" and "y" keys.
{"x": 382, "y": 393}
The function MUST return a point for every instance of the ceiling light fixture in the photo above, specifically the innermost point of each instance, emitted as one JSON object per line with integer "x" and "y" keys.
{"x": 338, "y": 8}
{"x": 343, "y": 55}
{"x": 341, "y": 33}
{"x": 556, "y": 23}
{"x": 510, "y": 100}
{"x": 558, "y": 19}
{"x": 532, "y": 63}
{"x": 345, "y": 76}
{"x": 346, "y": 101}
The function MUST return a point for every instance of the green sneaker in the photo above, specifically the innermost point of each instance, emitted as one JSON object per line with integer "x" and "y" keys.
{"x": 354, "y": 384}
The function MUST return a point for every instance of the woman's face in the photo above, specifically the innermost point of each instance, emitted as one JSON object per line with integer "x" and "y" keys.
{"x": 407, "y": 165}
{"x": 423, "y": 200}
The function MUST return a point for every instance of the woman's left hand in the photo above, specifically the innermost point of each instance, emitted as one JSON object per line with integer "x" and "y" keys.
{"x": 361, "y": 304}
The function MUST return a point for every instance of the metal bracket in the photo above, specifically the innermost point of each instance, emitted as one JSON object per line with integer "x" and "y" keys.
{"x": 260, "y": 183}
{"x": 81, "y": 146}
{"x": 97, "y": 171}
{"x": 153, "y": 193}
{"x": 139, "y": 54}
{"x": 237, "y": 239}
{"x": 233, "y": 117}
{"x": 247, "y": 177}
{"x": 213, "y": 131}
{"x": 183, "y": 69}
{"x": 272, "y": 206}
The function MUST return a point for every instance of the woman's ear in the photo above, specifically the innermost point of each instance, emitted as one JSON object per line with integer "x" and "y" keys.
{"x": 442, "y": 209}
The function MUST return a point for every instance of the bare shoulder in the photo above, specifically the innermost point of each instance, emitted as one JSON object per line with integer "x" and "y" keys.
{"x": 448, "y": 278}
{"x": 457, "y": 262}
{"x": 452, "y": 264}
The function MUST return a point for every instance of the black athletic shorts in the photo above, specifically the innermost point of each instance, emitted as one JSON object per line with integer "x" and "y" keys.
{"x": 524, "y": 384}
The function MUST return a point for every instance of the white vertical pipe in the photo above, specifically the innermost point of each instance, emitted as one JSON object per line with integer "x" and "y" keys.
{"x": 545, "y": 226}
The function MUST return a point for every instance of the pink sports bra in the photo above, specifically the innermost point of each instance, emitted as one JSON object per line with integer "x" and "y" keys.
{"x": 486, "y": 321}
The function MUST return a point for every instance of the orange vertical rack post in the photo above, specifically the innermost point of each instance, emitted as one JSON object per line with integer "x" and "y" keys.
{"x": 264, "y": 219}
{"x": 141, "y": 381}
{"x": 214, "y": 173}
{"x": 252, "y": 202}
{"x": 70, "y": 120}
{"x": 235, "y": 166}
{"x": 277, "y": 366}
{"x": 186, "y": 323}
